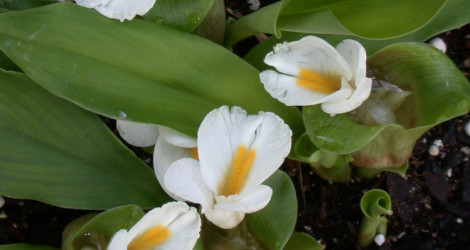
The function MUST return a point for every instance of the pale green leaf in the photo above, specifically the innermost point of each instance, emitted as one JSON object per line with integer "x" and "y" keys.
{"x": 55, "y": 152}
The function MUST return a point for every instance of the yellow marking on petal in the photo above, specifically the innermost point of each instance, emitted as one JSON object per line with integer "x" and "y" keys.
{"x": 150, "y": 239}
{"x": 193, "y": 153}
{"x": 238, "y": 172}
{"x": 312, "y": 80}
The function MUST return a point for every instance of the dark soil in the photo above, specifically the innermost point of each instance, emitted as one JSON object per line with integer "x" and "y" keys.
{"x": 431, "y": 206}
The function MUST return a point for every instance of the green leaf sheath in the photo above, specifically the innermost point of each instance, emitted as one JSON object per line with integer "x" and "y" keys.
{"x": 363, "y": 18}
{"x": 184, "y": 15}
{"x": 55, "y": 152}
{"x": 135, "y": 70}
{"x": 273, "y": 225}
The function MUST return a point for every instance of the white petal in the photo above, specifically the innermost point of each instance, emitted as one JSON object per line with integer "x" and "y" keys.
{"x": 184, "y": 231}
{"x": 272, "y": 144}
{"x": 91, "y": 3}
{"x": 286, "y": 90}
{"x": 219, "y": 135}
{"x": 163, "y": 216}
{"x": 184, "y": 179}
{"x": 119, "y": 240}
{"x": 224, "y": 219}
{"x": 138, "y": 134}
{"x": 355, "y": 55}
{"x": 164, "y": 155}
{"x": 255, "y": 201}
{"x": 311, "y": 53}
{"x": 119, "y": 9}
{"x": 359, "y": 96}
{"x": 176, "y": 138}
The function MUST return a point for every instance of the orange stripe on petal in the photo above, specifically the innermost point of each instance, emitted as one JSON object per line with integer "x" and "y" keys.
{"x": 150, "y": 239}
{"x": 238, "y": 172}
{"x": 312, "y": 80}
{"x": 193, "y": 153}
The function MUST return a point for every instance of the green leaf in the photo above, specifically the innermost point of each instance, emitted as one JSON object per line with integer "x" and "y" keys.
{"x": 364, "y": 18}
{"x": 24, "y": 246}
{"x": 24, "y": 4}
{"x": 96, "y": 230}
{"x": 439, "y": 93}
{"x": 134, "y": 70}
{"x": 453, "y": 15}
{"x": 184, "y": 15}
{"x": 302, "y": 241}
{"x": 55, "y": 152}
{"x": 273, "y": 225}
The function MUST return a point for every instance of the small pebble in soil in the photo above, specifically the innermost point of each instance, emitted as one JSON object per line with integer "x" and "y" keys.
{"x": 439, "y": 44}
{"x": 467, "y": 128}
{"x": 2, "y": 201}
{"x": 379, "y": 239}
{"x": 434, "y": 150}
{"x": 465, "y": 150}
{"x": 459, "y": 220}
{"x": 3, "y": 215}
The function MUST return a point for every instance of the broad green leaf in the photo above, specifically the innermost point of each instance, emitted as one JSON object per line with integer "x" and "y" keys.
{"x": 134, "y": 70}
{"x": 55, "y": 152}
{"x": 439, "y": 92}
{"x": 184, "y": 15}
{"x": 364, "y": 18}
{"x": 96, "y": 230}
{"x": 302, "y": 241}
{"x": 25, "y": 246}
{"x": 273, "y": 225}
{"x": 453, "y": 15}
{"x": 24, "y": 4}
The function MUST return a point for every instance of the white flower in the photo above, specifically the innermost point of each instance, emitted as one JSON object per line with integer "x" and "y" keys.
{"x": 173, "y": 226}
{"x": 313, "y": 72}
{"x": 119, "y": 9}
{"x": 237, "y": 152}
{"x": 170, "y": 145}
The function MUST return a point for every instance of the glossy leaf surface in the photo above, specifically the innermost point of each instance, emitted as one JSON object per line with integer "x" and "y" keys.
{"x": 135, "y": 70}
{"x": 55, "y": 152}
